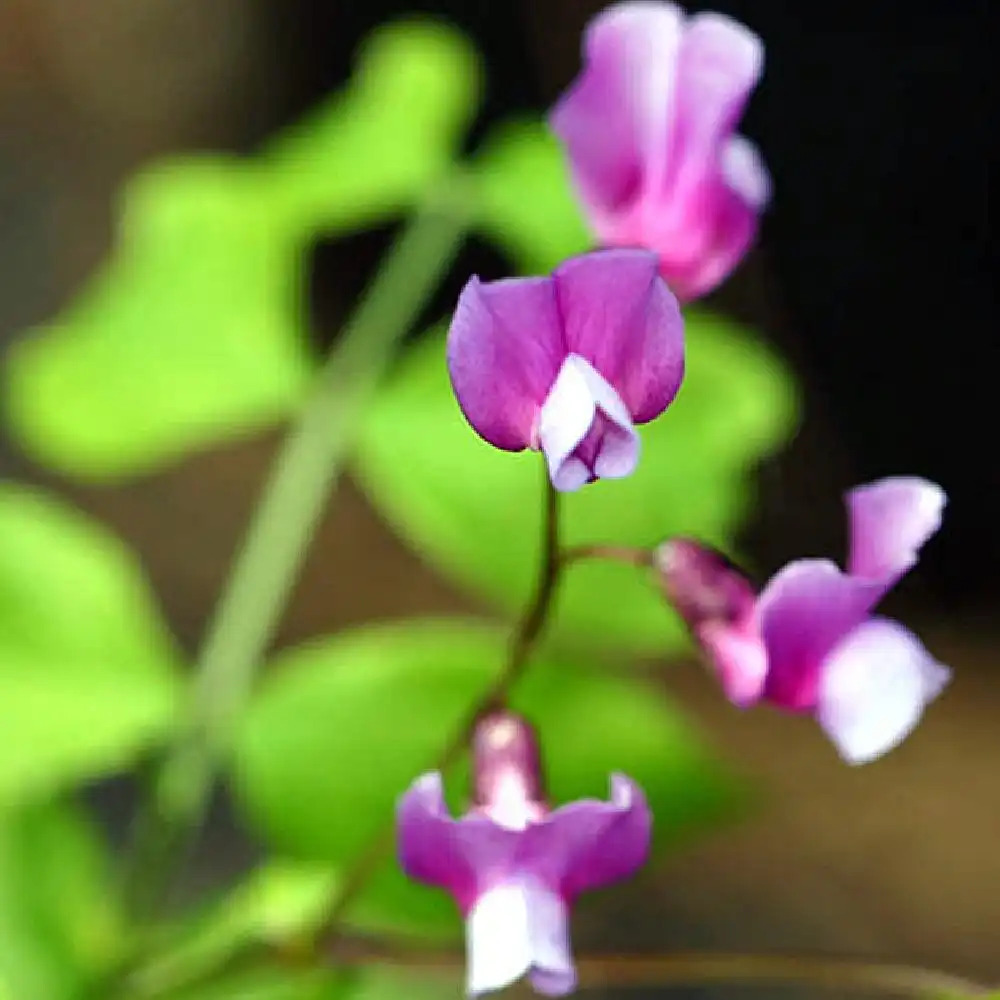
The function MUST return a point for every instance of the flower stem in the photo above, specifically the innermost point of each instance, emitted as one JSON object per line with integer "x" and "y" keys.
{"x": 689, "y": 968}
{"x": 522, "y": 643}
{"x": 273, "y": 550}
{"x": 629, "y": 554}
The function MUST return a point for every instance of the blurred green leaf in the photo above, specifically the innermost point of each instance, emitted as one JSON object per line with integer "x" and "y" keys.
{"x": 371, "y": 151}
{"x": 190, "y": 334}
{"x": 475, "y": 512}
{"x": 280, "y": 902}
{"x": 270, "y": 983}
{"x": 60, "y": 928}
{"x": 193, "y": 332}
{"x": 87, "y": 669}
{"x": 344, "y": 725}
{"x": 526, "y": 203}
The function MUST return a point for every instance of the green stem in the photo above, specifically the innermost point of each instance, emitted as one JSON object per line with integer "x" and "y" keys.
{"x": 273, "y": 551}
{"x": 522, "y": 643}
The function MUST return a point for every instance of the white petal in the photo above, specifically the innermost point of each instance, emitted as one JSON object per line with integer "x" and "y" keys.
{"x": 570, "y": 408}
{"x": 565, "y": 418}
{"x": 874, "y": 687}
{"x": 516, "y": 928}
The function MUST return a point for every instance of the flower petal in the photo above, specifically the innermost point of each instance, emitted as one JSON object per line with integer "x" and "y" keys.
{"x": 719, "y": 64}
{"x": 874, "y": 688}
{"x": 505, "y": 347}
{"x": 738, "y": 657}
{"x": 745, "y": 173}
{"x": 438, "y": 850}
{"x": 619, "y": 315}
{"x": 590, "y": 844}
{"x": 583, "y": 409}
{"x": 615, "y": 117}
{"x": 804, "y": 611}
{"x": 517, "y": 927}
{"x": 699, "y": 252}
{"x": 890, "y": 520}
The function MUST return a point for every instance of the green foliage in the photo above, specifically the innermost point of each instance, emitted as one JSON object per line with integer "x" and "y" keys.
{"x": 371, "y": 152}
{"x": 278, "y": 983}
{"x": 475, "y": 512}
{"x": 59, "y": 927}
{"x": 345, "y": 724}
{"x": 526, "y": 203}
{"x": 278, "y": 904}
{"x": 193, "y": 332}
{"x": 87, "y": 671}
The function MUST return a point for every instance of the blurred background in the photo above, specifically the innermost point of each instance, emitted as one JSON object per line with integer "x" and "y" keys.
{"x": 871, "y": 279}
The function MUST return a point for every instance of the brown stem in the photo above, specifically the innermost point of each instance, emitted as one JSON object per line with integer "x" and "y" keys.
{"x": 521, "y": 645}
{"x": 642, "y": 558}
{"x": 687, "y": 968}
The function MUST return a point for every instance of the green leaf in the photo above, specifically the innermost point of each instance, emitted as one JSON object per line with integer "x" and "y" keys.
{"x": 59, "y": 923}
{"x": 282, "y": 902}
{"x": 268, "y": 983}
{"x": 475, "y": 512}
{"x": 280, "y": 905}
{"x": 344, "y": 725}
{"x": 193, "y": 332}
{"x": 87, "y": 669}
{"x": 526, "y": 203}
{"x": 190, "y": 334}
{"x": 370, "y": 152}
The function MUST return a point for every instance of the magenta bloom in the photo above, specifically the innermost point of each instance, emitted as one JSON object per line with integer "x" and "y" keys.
{"x": 809, "y": 642}
{"x": 571, "y": 363}
{"x": 649, "y": 129}
{"x": 512, "y": 866}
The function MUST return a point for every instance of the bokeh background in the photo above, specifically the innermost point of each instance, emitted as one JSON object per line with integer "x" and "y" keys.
{"x": 871, "y": 279}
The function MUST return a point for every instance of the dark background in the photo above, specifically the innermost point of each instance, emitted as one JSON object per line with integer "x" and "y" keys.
{"x": 871, "y": 277}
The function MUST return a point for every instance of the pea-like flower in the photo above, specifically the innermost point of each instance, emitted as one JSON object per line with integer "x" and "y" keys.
{"x": 809, "y": 642}
{"x": 649, "y": 128}
{"x": 569, "y": 364}
{"x": 513, "y": 866}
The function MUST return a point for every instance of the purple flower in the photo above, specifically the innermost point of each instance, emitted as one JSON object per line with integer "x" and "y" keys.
{"x": 649, "y": 126}
{"x": 569, "y": 364}
{"x": 809, "y": 641}
{"x": 513, "y": 867}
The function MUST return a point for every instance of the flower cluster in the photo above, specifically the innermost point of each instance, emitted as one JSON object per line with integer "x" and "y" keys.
{"x": 569, "y": 364}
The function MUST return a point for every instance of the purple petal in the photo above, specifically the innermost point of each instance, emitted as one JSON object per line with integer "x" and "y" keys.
{"x": 519, "y": 927}
{"x": 452, "y": 854}
{"x": 699, "y": 251}
{"x": 738, "y": 657}
{"x": 505, "y": 347}
{"x": 620, "y": 316}
{"x": 615, "y": 117}
{"x": 584, "y": 428}
{"x": 804, "y": 611}
{"x": 719, "y": 605}
{"x": 590, "y": 844}
{"x": 875, "y": 686}
{"x": 702, "y": 584}
{"x": 889, "y": 522}
{"x": 719, "y": 64}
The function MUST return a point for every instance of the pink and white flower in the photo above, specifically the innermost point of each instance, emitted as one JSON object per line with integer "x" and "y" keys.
{"x": 569, "y": 364}
{"x": 809, "y": 642}
{"x": 649, "y": 129}
{"x": 513, "y": 866}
